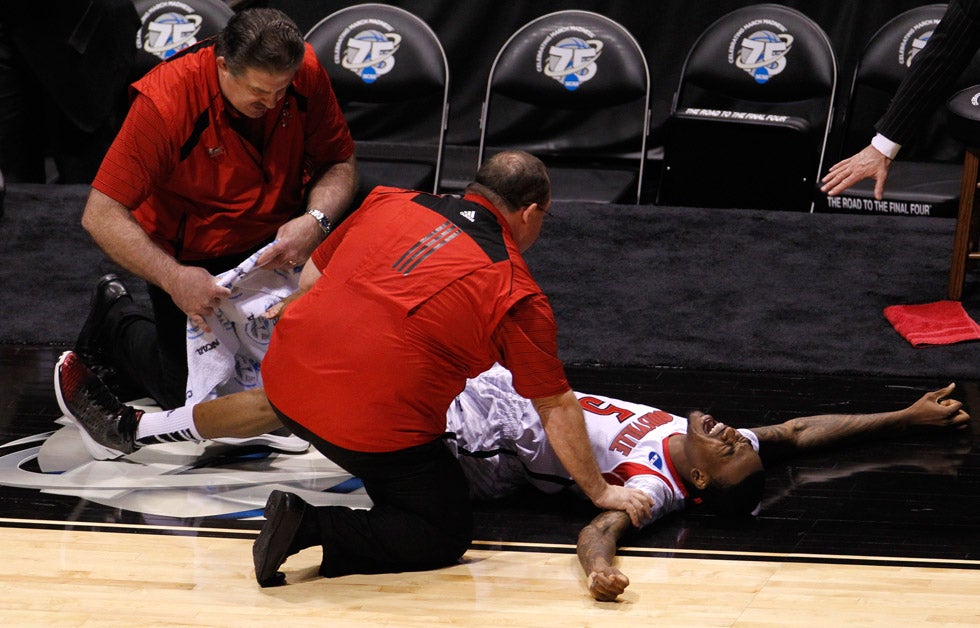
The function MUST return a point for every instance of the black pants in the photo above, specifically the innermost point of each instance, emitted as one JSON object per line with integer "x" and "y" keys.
{"x": 422, "y": 517}
{"x": 150, "y": 352}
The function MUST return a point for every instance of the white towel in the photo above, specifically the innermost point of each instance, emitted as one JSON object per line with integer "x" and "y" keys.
{"x": 226, "y": 359}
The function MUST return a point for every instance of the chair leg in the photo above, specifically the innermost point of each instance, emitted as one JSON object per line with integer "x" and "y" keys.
{"x": 967, "y": 219}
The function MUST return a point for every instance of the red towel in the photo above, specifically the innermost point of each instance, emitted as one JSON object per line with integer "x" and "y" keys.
{"x": 939, "y": 323}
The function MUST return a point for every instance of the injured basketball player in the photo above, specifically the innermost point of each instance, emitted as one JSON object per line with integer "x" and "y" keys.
{"x": 501, "y": 445}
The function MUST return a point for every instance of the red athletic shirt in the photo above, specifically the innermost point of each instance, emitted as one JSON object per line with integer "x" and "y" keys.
{"x": 417, "y": 293}
{"x": 196, "y": 186}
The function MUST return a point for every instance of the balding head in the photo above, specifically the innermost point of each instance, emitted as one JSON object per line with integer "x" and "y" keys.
{"x": 514, "y": 179}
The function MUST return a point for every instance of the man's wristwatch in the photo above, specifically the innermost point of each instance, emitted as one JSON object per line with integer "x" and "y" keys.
{"x": 322, "y": 220}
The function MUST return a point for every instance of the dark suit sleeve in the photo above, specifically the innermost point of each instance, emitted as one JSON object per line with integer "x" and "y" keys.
{"x": 934, "y": 71}
{"x": 80, "y": 51}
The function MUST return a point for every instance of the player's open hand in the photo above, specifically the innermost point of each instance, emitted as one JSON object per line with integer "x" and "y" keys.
{"x": 607, "y": 584}
{"x": 936, "y": 409}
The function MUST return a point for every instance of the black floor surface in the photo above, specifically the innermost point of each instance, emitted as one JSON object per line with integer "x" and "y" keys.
{"x": 911, "y": 496}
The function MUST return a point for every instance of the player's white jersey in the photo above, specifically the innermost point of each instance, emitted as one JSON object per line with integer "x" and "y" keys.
{"x": 499, "y": 440}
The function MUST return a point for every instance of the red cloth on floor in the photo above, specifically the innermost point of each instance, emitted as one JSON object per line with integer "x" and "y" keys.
{"x": 939, "y": 323}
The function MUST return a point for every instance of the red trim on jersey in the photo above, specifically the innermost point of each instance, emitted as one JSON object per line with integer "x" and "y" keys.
{"x": 626, "y": 470}
{"x": 670, "y": 464}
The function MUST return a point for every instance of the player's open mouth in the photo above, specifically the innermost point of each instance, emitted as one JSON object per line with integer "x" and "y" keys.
{"x": 711, "y": 427}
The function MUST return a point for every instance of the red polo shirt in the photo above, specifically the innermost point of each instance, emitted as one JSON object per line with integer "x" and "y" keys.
{"x": 196, "y": 186}
{"x": 417, "y": 293}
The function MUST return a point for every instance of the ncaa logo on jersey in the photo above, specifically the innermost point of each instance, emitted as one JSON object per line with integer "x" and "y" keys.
{"x": 914, "y": 40}
{"x": 370, "y": 51}
{"x": 167, "y": 28}
{"x": 570, "y": 60}
{"x": 761, "y": 53}
{"x": 655, "y": 460}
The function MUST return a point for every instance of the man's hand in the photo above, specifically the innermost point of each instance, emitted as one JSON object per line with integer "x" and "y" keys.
{"x": 635, "y": 503}
{"x": 295, "y": 242}
{"x": 275, "y": 312}
{"x": 606, "y": 584}
{"x": 195, "y": 291}
{"x": 936, "y": 409}
{"x": 868, "y": 164}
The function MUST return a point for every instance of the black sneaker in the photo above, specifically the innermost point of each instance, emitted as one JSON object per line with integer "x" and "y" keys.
{"x": 108, "y": 426}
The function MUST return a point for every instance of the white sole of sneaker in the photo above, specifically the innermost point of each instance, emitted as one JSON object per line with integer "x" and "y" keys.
{"x": 285, "y": 444}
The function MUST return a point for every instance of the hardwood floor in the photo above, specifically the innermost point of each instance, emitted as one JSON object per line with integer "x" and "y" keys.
{"x": 885, "y": 533}
{"x": 75, "y": 578}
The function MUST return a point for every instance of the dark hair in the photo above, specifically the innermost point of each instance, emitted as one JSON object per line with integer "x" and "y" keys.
{"x": 517, "y": 177}
{"x": 736, "y": 500}
{"x": 266, "y": 39}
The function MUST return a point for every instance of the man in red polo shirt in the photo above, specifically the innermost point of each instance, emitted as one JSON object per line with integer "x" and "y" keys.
{"x": 411, "y": 295}
{"x": 223, "y": 148}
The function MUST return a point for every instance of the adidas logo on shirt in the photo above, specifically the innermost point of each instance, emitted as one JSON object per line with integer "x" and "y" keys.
{"x": 469, "y": 215}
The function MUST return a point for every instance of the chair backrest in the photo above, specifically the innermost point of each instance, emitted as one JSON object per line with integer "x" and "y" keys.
{"x": 759, "y": 55}
{"x": 381, "y": 57}
{"x": 756, "y": 92}
{"x": 169, "y": 26}
{"x": 578, "y": 65}
{"x": 877, "y": 75}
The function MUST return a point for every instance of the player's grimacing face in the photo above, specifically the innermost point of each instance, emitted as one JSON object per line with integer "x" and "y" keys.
{"x": 719, "y": 450}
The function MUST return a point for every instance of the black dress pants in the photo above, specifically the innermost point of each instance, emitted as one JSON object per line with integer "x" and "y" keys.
{"x": 150, "y": 351}
{"x": 421, "y": 519}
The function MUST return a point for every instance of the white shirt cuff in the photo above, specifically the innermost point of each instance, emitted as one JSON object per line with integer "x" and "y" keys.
{"x": 885, "y": 146}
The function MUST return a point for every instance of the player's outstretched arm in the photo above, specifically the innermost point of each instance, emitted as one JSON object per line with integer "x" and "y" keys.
{"x": 934, "y": 409}
{"x": 596, "y": 551}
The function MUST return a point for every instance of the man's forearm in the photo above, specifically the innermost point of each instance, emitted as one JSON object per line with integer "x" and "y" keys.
{"x": 333, "y": 192}
{"x": 934, "y": 409}
{"x": 121, "y": 238}
{"x": 565, "y": 425}
{"x": 596, "y": 550}
{"x": 820, "y": 431}
{"x": 597, "y": 541}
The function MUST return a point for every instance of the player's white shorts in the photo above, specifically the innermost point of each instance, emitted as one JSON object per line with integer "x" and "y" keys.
{"x": 494, "y": 432}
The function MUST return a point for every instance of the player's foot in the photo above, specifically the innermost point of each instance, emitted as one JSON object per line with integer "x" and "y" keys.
{"x": 283, "y": 516}
{"x": 108, "y": 427}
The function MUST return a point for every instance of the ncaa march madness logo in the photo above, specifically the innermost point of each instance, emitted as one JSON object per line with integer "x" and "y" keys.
{"x": 167, "y": 28}
{"x": 915, "y": 39}
{"x": 570, "y": 60}
{"x": 369, "y": 52}
{"x": 762, "y": 53}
